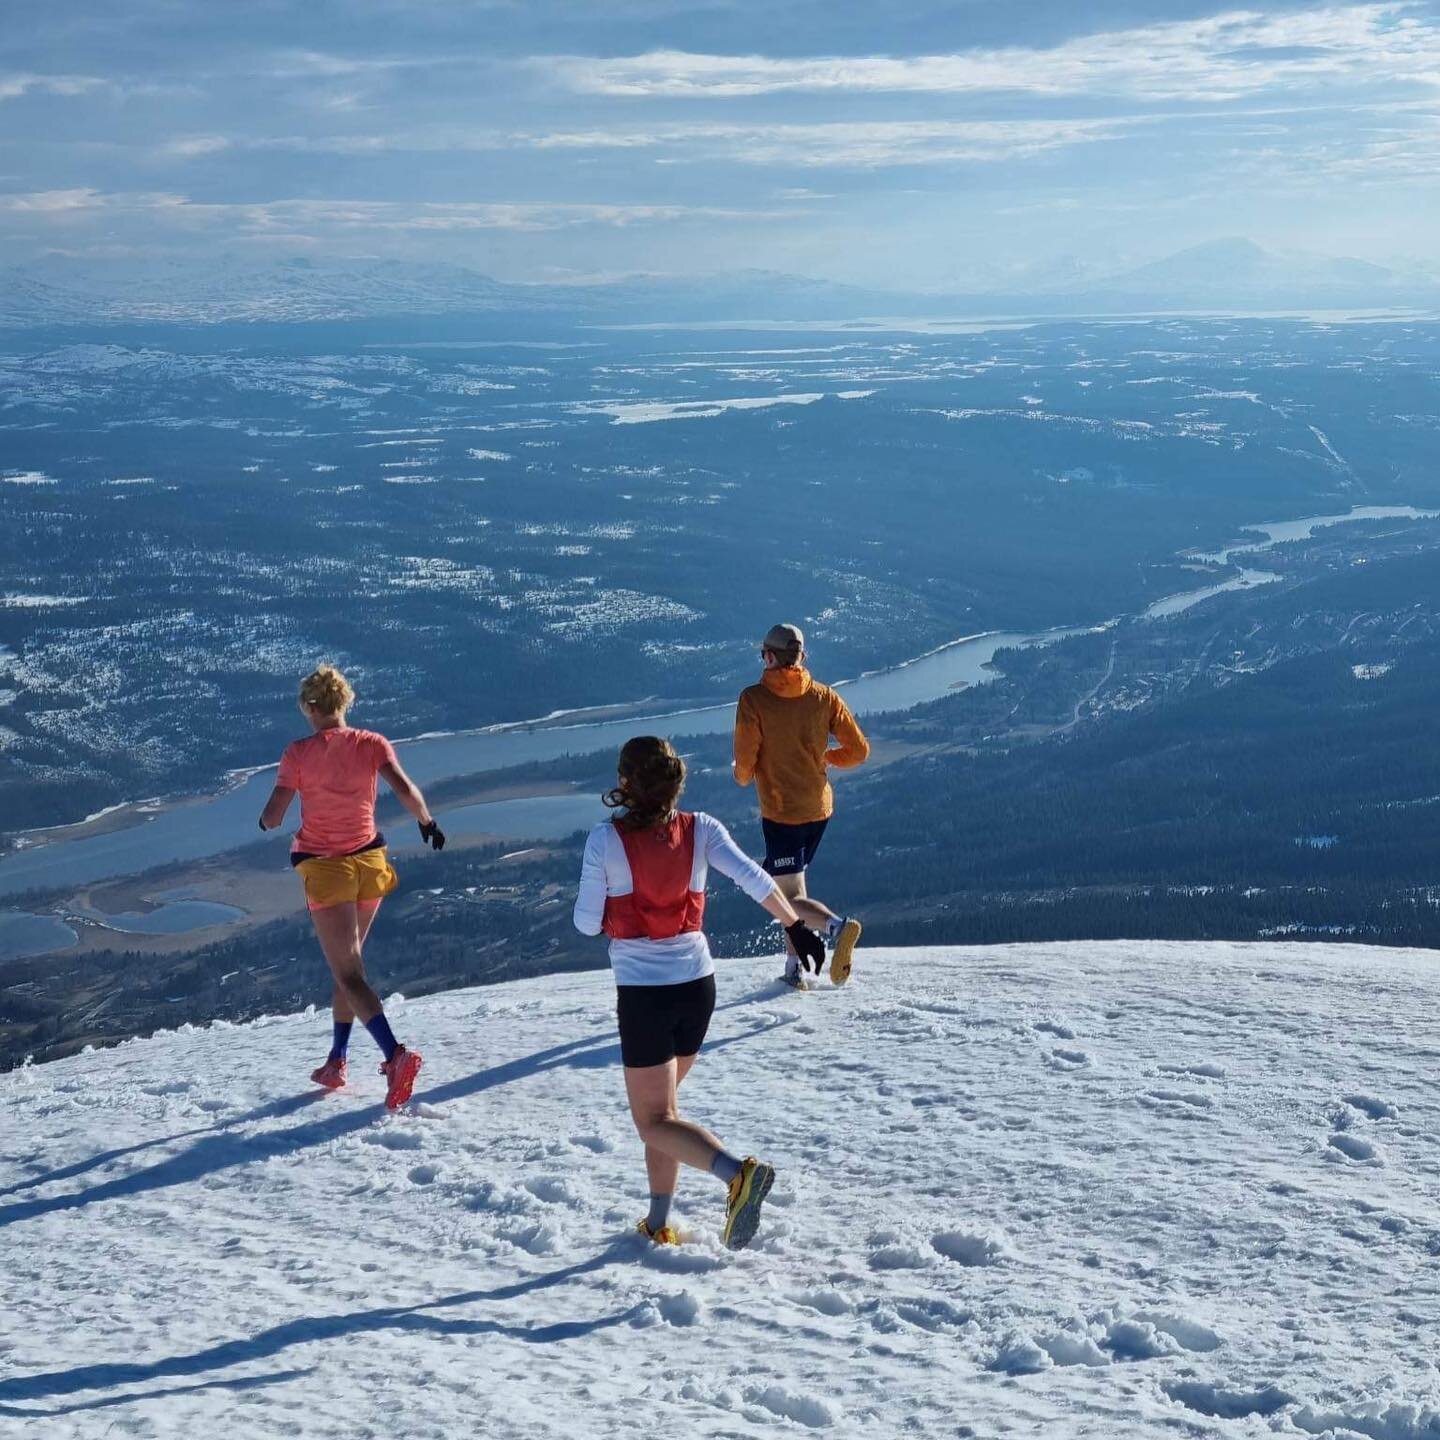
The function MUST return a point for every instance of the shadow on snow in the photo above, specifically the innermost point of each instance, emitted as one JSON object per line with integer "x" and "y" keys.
{"x": 311, "y": 1329}
{"x": 219, "y": 1149}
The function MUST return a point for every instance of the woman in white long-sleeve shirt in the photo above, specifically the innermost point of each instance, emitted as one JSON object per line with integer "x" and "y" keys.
{"x": 642, "y": 883}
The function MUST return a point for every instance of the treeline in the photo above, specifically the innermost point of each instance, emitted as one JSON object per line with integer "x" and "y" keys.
{"x": 1314, "y": 788}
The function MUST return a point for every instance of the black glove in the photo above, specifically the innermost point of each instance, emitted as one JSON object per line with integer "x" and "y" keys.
{"x": 808, "y": 945}
{"x": 433, "y": 835}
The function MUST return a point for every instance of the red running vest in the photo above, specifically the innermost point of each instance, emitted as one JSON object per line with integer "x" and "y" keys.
{"x": 662, "y": 904}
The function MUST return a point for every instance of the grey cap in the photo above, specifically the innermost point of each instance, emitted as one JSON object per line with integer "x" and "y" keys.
{"x": 783, "y": 639}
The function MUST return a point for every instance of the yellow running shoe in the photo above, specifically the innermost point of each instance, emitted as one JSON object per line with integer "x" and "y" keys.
{"x": 747, "y": 1194}
{"x": 665, "y": 1235}
{"x": 844, "y": 955}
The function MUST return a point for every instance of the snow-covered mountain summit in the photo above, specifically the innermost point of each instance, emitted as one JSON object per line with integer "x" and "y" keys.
{"x": 1063, "y": 1190}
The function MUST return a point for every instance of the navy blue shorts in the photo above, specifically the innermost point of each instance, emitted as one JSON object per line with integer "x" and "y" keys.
{"x": 789, "y": 849}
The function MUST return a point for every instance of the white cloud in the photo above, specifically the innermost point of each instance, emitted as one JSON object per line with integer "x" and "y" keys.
{"x": 190, "y": 147}
{"x": 68, "y": 202}
{"x": 859, "y": 144}
{"x": 297, "y": 218}
{"x": 873, "y": 144}
{"x": 315, "y": 64}
{"x": 1216, "y": 58}
{"x": 12, "y": 87}
{"x": 51, "y": 202}
{"x": 1379, "y": 154}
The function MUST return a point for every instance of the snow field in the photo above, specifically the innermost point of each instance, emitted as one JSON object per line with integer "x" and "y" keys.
{"x": 1064, "y": 1190}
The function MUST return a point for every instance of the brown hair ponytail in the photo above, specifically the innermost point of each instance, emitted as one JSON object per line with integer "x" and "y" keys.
{"x": 652, "y": 776}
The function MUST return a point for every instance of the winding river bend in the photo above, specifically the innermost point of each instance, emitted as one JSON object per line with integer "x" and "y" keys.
{"x": 148, "y": 835}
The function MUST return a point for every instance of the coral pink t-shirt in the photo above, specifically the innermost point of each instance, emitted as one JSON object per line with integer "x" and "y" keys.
{"x": 334, "y": 772}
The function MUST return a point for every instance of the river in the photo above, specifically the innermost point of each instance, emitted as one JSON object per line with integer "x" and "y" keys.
{"x": 192, "y": 829}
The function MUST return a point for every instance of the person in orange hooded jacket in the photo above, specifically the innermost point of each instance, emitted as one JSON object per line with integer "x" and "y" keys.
{"x": 783, "y": 729}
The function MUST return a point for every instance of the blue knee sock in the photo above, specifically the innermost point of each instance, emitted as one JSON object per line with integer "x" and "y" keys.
{"x": 659, "y": 1215}
{"x": 383, "y": 1035}
{"x": 341, "y": 1043}
{"x": 725, "y": 1165}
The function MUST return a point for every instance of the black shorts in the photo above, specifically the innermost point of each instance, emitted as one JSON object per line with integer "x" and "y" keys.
{"x": 660, "y": 1022}
{"x": 789, "y": 849}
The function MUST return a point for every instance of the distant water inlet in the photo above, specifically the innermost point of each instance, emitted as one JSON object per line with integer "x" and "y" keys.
{"x": 177, "y": 916}
{"x": 22, "y": 934}
{"x": 176, "y": 913}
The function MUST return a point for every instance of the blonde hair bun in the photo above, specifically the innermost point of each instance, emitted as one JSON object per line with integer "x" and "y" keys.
{"x": 325, "y": 689}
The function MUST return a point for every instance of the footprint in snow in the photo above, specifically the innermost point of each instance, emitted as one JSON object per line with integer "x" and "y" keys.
{"x": 1106, "y": 1341}
{"x": 936, "y": 1316}
{"x": 1221, "y": 1404}
{"x": 424, "y": 1174}
{"x": 892, "y": 1251}
{"x": 1177, "y": 1102}
{"x": 394, "y": 1138}
{"x": 807, "y": 1410}
{"x": 825, "y": 1302}
{"x": 1060, "y": 1032}
{"x": 1068, "y": 1059}
{"x": 553, "y": 1190}
{"x": 1353, "y": 1147}
{"x": 1372, "y": 1107}
{"x": 680, "y": 1309}
{"x": 968, "y": 1248}
{"x": 680, "y": 1259}
{"x": 596, "y": 1144}
{"x": 1205, "y": 1070}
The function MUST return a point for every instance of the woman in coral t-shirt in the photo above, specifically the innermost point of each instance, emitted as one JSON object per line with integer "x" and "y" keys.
{"x": 341, "y": 859}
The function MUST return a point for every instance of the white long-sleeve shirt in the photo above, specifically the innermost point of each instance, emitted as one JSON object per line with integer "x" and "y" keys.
{"x": 605, "y": 871}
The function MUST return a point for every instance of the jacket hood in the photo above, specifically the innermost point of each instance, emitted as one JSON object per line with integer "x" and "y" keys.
{"x": 789, "y": 682}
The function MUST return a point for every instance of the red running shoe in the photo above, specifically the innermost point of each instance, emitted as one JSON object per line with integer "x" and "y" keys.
{"x": 331, "y": 1075}
{"x": 400, "y": 1071}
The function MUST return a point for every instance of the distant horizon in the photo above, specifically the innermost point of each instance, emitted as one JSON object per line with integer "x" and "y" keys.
{"x": 1389, "y": 288}
{"x": 973, "y": 150}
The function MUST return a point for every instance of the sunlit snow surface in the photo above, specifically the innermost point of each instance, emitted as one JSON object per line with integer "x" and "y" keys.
{"x": 1063, "y": 1190}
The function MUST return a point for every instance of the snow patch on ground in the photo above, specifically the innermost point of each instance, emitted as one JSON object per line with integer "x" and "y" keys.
{"x": 1101, "y": 1190}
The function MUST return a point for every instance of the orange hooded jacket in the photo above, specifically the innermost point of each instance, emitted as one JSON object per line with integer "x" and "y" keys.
{"x": 782, "y": 742}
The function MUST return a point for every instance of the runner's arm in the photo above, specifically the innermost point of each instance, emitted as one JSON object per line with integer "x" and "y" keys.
{"x": 724, "y": 855}
{"x": 589, "y": 913}
{"x": 407, "y": 792}
{"x": 747, "y": 742}
{"x": 273, "y": 815}
{"x": 854, "y": 748}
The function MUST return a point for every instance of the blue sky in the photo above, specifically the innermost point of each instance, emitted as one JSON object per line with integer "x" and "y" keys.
{"x": 910, "y": 144}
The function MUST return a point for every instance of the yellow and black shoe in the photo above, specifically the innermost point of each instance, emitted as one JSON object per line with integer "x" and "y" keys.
{"x": 843, "y": 956}
{"x": 665, "y": 1235}
{"x": 747, "y": 1194}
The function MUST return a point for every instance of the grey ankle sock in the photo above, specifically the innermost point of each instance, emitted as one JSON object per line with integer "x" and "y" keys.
{"x": 659, "y": 1215}
{"x": 725, "y": 1165}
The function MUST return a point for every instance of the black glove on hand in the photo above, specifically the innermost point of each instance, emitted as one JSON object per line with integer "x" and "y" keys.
{"x": 433, "y": 835}
{"x": 808, "y": 945}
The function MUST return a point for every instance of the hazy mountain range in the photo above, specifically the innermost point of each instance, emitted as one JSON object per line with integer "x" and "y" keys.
{"x": 1233, "y": 274}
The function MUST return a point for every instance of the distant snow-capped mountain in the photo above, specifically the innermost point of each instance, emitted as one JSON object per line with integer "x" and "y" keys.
{"x": 1236, "y": 270}
{"x": 1224, "y": 274}
{"x": 61, "y": 291}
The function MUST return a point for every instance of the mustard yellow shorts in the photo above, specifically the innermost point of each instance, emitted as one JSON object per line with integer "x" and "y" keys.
{"x": 363, "y": 879}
